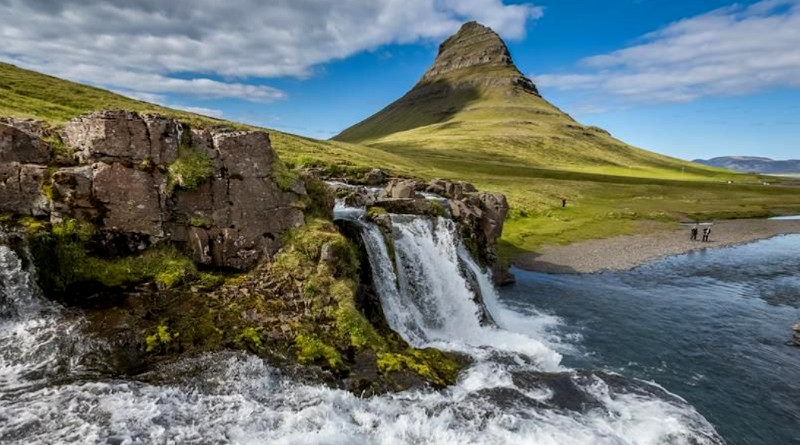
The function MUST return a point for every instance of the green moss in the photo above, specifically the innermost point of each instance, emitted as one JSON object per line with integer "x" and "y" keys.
{"x": 32, "y": 225}
{"x": 312, "y": 350}
{"x": 63, "y": 260}
{"x": 200, "y": 221}
{"x": 376, "y": 212}
{"x": 251, "y": 337}
{"x": 435, "y": 366}
{"x": 48, "y": 191}
{"x": 209, "y": 280}
{"x": 319, "y": 200}
{"x": 160, "y": 340}
{"x": 437, "y": 209}
{"x": 190, "y": 169}
{"x": 60, "y": 148}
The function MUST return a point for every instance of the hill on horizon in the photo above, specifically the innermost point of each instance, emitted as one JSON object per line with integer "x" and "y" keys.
{"x": 473, "y": 102}
{"x": 753, "y": 164}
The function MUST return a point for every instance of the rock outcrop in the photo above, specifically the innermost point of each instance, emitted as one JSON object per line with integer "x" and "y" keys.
{"x": 480, "y": 216}
{"x": 127, "y": 174}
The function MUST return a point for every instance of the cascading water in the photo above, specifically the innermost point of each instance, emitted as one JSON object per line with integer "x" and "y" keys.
{"x": 515, "y": 391}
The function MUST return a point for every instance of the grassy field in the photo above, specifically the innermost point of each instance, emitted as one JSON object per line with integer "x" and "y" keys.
{"x": 606, "y": 196}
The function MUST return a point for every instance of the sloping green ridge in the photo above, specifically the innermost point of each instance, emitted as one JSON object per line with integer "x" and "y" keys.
{"x": 600, "y": 204}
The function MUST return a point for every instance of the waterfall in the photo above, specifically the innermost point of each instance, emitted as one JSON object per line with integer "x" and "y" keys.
{"x": 514, "y": 391}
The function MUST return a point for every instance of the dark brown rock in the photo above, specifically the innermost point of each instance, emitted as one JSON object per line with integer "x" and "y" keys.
{"x": 20, "y": 189}
{"x": 245, "y": 154}
{"x": 130, "y": 197}
{"x": 124, "y": 136}
{"x": 19, "y": 146}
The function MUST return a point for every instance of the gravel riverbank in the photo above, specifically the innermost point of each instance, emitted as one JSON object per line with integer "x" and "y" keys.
{"x": 626, "y": 252}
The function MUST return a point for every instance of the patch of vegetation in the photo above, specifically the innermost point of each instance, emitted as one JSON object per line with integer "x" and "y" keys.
{"x": 60, "y": 148}
{"x": 283, "y": 176}
{"x": 160, "y": 340}
{"x": 311, "y": 350}
{"x": 437, "y": 367}
{"x": 190, "y": 169}
{"x": 63, "y": 261}
{"x": 200, "y": 221}
{"x": 209, "y": 280}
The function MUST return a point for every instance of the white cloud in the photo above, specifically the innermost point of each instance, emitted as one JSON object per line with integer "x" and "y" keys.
{"x": 211, "y": 48}
{"x": 729, "y": 51}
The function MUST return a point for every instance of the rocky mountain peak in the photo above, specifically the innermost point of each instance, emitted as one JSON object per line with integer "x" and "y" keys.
{"x": 473, "y": 45}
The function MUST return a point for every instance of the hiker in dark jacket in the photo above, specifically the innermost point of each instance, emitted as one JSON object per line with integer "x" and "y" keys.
{"x": 706, "y": 232}
{"x": 694, "y": 233}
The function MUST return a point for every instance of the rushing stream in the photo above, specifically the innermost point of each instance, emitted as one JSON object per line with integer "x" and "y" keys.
{"x": 518, "y": 390}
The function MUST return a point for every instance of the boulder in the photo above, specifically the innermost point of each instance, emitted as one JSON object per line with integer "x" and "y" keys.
{"x": 450, "y": 189}
{"x": 375, "y": 176}
{"x": 400, "y": 188}
{"x": 17, "y": 145}
{"x": 72, "y": 193}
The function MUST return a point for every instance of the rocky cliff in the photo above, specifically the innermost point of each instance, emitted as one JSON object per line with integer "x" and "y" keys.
{"x": 144, "y": 179}
{"x": 144, "y": 225}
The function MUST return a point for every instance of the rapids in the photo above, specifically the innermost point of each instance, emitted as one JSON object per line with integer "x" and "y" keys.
{"x": 516, "y": 391}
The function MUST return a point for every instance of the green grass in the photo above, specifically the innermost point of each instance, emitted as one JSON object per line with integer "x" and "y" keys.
{"x": 518, "y": 145}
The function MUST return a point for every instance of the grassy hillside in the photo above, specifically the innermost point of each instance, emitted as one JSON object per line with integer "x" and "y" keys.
{"x": 600, "y": 204}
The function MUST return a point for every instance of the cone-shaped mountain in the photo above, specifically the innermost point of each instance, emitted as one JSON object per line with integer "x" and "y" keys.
{"x": 474, "y": 104}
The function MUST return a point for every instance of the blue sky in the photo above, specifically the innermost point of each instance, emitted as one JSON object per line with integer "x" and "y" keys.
{"x": 686, "y": 78}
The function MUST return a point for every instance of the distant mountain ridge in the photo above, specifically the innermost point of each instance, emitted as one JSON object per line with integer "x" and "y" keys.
{"x": 753, "y": 164}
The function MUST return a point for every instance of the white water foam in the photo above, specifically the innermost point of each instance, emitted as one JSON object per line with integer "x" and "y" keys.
{"x": 507, "y": 396}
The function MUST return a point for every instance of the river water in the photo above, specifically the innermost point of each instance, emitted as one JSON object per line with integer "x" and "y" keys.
{"x": 644, "y": 357}
{"x": 710, "y": 326}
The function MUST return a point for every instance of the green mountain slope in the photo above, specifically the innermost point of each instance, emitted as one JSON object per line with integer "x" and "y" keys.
{"x": 473, "y": 103}
{"x": 601, "y": 205}
{"x": 29, "y": 94}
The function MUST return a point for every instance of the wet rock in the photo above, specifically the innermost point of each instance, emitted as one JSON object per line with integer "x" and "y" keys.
{"x": 400, "y": 188}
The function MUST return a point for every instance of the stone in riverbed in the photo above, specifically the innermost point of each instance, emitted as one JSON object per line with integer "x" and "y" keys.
{"x": 400, "y": 189}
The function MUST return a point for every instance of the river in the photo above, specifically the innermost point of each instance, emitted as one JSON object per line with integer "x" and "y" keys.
{"x": 672, "y": 353}
{"x": 710, "y": 326}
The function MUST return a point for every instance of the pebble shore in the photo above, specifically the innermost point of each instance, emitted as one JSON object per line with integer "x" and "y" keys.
{"x": 627, "y": 252}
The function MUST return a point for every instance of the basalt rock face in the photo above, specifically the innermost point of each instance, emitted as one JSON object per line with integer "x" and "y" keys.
{"x": 118, "y": 177}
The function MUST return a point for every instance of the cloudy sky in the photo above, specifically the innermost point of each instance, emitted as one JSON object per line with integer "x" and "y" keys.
{"x": 683, "y": 77}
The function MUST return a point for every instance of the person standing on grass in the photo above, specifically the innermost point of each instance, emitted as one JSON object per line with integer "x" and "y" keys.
{"x": 694, "y": 233}
{"x": 563, "y": 202}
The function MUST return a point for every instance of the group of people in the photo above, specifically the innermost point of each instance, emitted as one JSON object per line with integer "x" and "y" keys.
{"x": 696, "y": 231}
